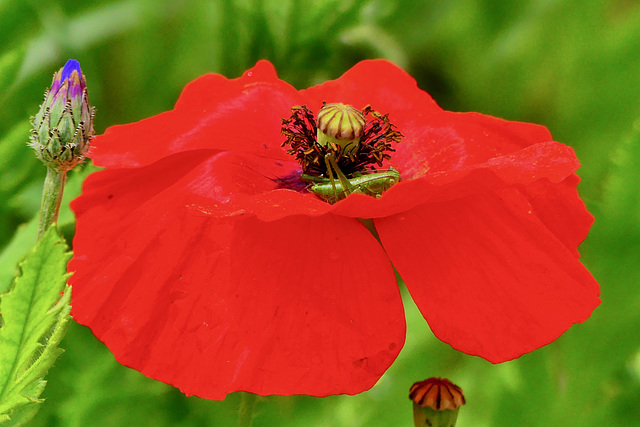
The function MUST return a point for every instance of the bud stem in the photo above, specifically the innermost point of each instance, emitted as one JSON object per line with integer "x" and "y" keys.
{"x": 247, "y": 405}
{"x": 432, "y": 418}
{"x": 51, "y": 198}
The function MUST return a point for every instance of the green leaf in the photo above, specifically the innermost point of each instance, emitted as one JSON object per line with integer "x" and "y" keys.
{"x": 35, "y": 317}
{"x": 25, "y": 235}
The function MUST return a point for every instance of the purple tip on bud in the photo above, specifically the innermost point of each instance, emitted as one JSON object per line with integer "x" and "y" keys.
{"x": 71, "y": 66}
{"x": 66, "y": 84}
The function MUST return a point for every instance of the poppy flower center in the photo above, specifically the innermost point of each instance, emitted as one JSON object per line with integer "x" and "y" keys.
{"x": 341, "y": 152}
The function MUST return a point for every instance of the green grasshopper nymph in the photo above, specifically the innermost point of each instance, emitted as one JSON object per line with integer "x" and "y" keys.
{"x": 357, "y": 139}
{"x": 332, "y": 190}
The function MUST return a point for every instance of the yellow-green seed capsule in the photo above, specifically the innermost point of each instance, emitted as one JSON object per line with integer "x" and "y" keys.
{"x": 342, "y": 125}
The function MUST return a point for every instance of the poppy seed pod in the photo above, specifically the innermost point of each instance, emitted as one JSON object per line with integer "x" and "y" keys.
{"x": 340, "y": 124}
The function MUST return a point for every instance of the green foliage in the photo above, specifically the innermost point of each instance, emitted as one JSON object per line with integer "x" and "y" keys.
{"x": 24, "y": 236}
{"x": 622, "y": 190}
{"x": 35, "y": 315}
{"x": 15, "y": 180}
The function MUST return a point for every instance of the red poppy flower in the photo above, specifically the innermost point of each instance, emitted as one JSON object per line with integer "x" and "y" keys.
{"x": 195, "y": 267}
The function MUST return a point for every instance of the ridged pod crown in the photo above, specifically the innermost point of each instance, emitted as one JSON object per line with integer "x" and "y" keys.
{"x": 341, "y": 124}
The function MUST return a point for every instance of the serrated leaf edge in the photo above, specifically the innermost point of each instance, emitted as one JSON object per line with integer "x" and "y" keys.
{"x": 39, "y": 365}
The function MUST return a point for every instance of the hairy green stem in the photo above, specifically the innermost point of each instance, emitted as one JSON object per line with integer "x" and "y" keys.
{"x": 247, "y": 405}
{"x": 368, "y": 222}
{"x": 51, "y": 198}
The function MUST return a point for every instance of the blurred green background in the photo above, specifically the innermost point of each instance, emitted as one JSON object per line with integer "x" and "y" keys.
{"x": 571, "y": 65}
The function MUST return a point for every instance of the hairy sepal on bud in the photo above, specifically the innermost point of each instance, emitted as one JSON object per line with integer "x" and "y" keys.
{"x": 63, "y": 127}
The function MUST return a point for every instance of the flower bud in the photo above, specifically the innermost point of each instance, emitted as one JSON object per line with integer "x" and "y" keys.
{"x": 342, "y": 125}
{"x": 436, "y": 402}
{"x": 63, "y": 128}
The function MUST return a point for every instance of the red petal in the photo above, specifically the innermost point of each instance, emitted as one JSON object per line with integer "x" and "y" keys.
{"x": 488, "y": 276}
{"x": 380, "y": 83}
{"x": 213, "y": 112}
{"x": 231, "y": 184}
{"x": 447, "y": 141}
{"x": 302, "y": 305}
{"x": 549, "y": 161}
{"x": 561, "y": 210}
{"x": 435, "y": 140}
